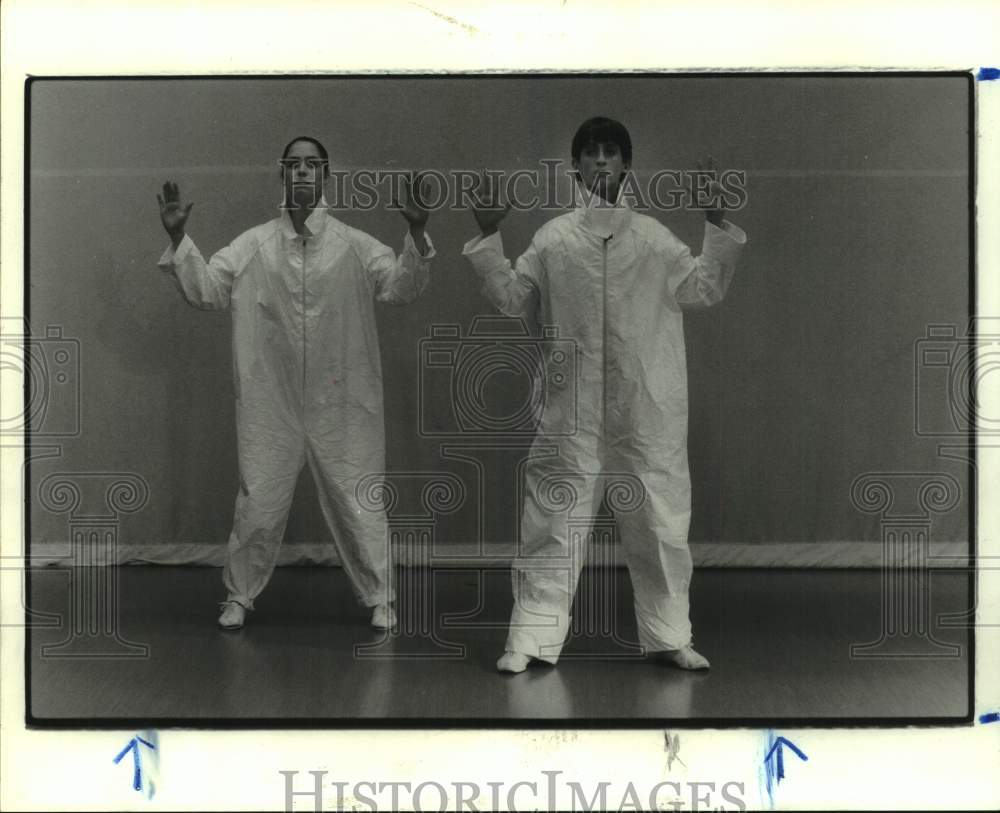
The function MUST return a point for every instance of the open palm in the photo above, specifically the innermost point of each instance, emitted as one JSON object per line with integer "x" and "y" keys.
{"x": 413, "y": 208}
{"x": 714, "y": 206}
{"x": 487, "y": 208}
{"x": 173, "y": 213}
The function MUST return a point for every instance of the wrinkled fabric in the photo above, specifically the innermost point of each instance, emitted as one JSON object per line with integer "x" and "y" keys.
{"x": 613, "y": 281}
{"x": 308, "y": 383}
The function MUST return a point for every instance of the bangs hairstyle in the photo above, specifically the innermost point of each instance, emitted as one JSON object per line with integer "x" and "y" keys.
{"x": 319, "y": 147}
{"x": 601, "y": 130}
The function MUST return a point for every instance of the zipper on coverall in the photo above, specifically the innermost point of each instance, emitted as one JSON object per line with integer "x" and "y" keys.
{"x": 305, "y": 242}
{"x": 604, "y": 342}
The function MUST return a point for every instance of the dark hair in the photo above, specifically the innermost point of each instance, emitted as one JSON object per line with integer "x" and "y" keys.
{"x": 602, "y": 130}
{"x": 322, "y": 150}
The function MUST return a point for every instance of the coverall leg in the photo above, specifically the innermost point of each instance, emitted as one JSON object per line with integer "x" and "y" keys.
{"x": 654, "y": 541}
{"x": 360, "y": 534}
{"x": 562, "y": 496}
{"x": 271, "y": 457}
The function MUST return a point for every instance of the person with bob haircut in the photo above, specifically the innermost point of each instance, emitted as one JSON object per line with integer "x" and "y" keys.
{"x": 614, "y": 282}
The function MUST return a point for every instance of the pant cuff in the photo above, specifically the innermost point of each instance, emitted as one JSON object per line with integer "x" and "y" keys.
{"x": 526, "y": 644}
{"x": 651, "y": 644}
{"x": 243, "y": 601}
{"x": 380, "y": 597}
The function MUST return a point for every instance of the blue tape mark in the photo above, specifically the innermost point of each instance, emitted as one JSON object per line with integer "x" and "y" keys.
{"x": 993, "y": 717}
{"x": 137, "y": 772}
{"x": 768, "y": 770}
{"x": 124, "y": 751}
{"x": 133, "y": 746}
{"x": 988, "y": 74}
{"x": 778, "y": 744}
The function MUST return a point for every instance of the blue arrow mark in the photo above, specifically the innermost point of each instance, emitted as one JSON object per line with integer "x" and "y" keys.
{"x": 133, "y": 746}
{"x": 779, "y": 744}
{"x": 993, "y": 717}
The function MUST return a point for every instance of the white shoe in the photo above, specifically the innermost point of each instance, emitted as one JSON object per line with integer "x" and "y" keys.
{"x": 384, "y": 617}
{"x": 233, "y": 615}
{"x": 685, "y": 658}
{"x": 513, "y": 662}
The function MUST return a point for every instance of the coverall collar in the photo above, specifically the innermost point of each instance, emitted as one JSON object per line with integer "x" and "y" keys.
{"x": 597, "y": 217}
{"x": 314, "y": 223}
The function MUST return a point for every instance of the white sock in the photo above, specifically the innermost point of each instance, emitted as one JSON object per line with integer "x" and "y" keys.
{"x": 685, "y": 658}
{"x": 513, "y": 662}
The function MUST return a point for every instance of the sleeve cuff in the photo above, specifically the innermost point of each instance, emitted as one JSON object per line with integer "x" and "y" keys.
{"x": 729, "y": 229}
{"x": 479, "y": 243}
{"x": 410, "y": 245}
{"x": 172, "y": 255}
{"x": 725, "y": 242}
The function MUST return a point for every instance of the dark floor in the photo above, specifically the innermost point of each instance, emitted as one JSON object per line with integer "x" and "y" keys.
{"x": 779, "y": 642}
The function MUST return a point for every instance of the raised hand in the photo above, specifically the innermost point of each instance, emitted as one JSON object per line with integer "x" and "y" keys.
{"x": 715, "y": 211}
{"x": 173, "y": 214}
{"x": 413, "y": 208}
{"x": 487, "y": 209}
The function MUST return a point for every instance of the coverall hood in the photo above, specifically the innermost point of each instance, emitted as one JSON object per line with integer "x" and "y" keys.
{"x": 315, "y": 223}
{"x": 598, "y": 216}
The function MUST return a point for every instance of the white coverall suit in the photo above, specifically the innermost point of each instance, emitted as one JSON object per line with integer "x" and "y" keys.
{"x": 308, "y": 382}
{"x": 613, "y": 281}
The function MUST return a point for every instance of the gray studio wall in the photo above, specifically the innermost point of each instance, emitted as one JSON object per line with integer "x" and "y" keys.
{"x": 801, "y": 380}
